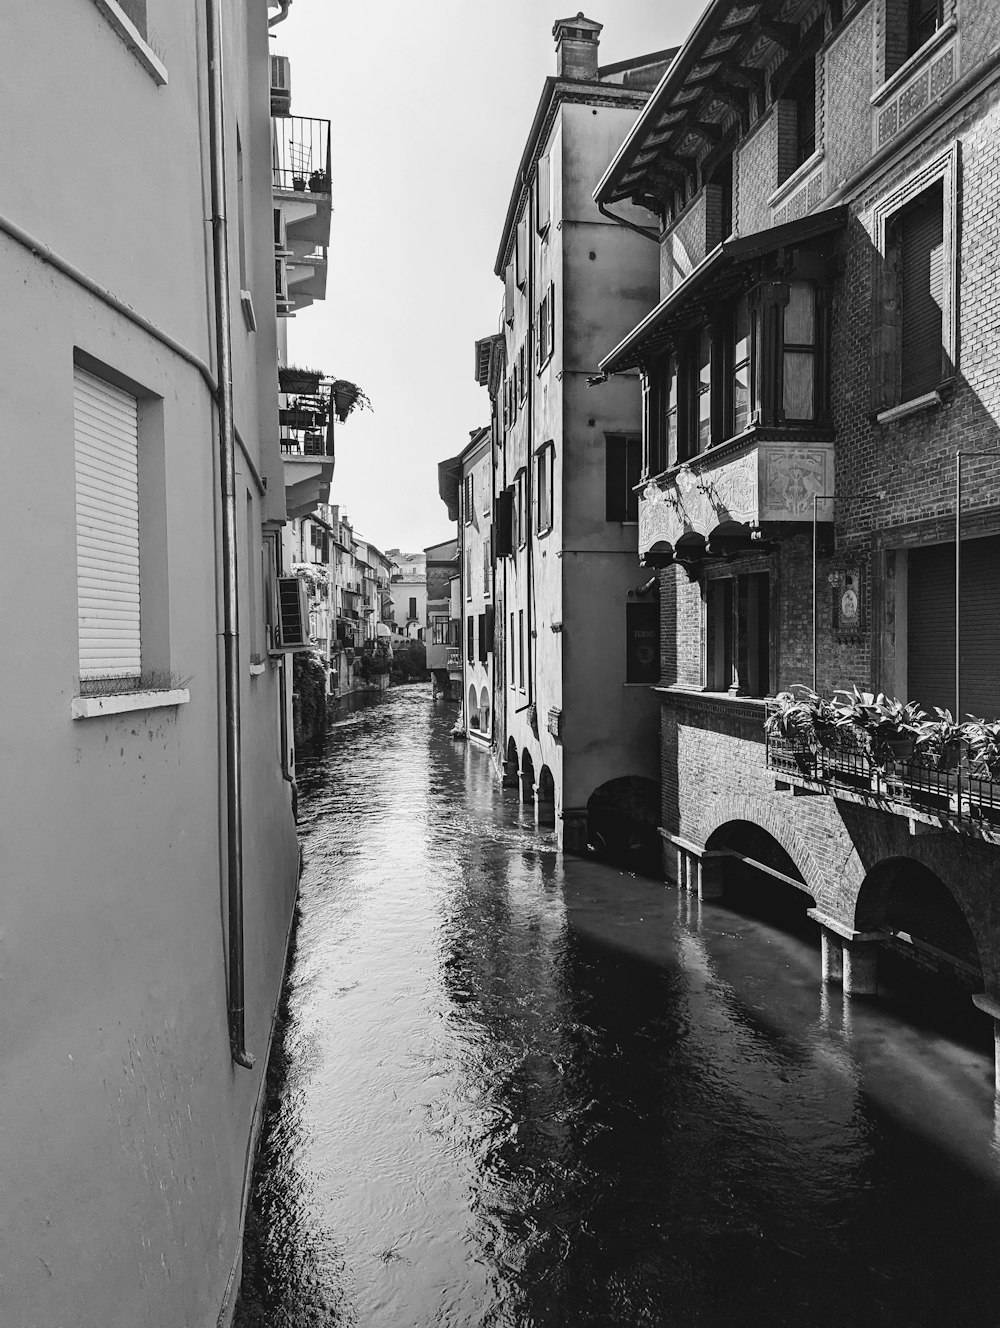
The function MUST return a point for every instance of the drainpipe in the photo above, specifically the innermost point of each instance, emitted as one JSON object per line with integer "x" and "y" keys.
{"x": 227, "y": 450}
{"x": 280, "y": 18}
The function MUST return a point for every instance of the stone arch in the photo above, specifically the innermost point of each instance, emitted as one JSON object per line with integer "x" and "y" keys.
{"x": 527, "y": 777}
{"x": 904, "y": 894}
{"x": 545, "y": 798}
{"x": 623, "y": 816}
{"x": 510, "y": 769}
{"x": 780, "y": 827}
{"x": 473, "y": 701}
{"x": 484, "y": 710}
{"x": 762, "y": 861}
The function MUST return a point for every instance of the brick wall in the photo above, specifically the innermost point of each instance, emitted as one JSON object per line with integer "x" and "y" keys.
{"x": 683, "y": 246}
{"x": 848, "y": 87}
{"x": 757, "y": 166}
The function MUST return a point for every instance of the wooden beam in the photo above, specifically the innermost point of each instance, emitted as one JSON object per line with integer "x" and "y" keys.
{"x": 746, "y": 77}
{"x": 785, "y": 35}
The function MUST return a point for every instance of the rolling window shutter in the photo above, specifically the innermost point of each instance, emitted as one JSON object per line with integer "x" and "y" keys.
{"x": 922, "y": 276}
{"x": 930, "y": 647}
{"x": 106, "y": 436}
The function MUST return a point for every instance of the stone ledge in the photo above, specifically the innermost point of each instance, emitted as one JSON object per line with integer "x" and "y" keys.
{"x": 90, "y": 707}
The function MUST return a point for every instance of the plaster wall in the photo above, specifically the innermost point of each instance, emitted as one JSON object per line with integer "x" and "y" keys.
{"x": 126, "y": 1124}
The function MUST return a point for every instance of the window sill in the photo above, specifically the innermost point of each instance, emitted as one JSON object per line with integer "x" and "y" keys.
{"x": 90, "y": 707}
{"x": 895, "y": 81}
{"x": 133, "y": 39}
{"x": 789, "y": 184}
{"x": 913, "y": 407}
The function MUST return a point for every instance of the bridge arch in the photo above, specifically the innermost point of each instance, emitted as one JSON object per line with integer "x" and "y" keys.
{"x": 545, "y": 798}
{"x": 771, "y": 819}
{"x": 484, "y": 710}
{"x": 623, "y": 816}
{"x": 747, "y": 860}
{"x": 527, "y": 777}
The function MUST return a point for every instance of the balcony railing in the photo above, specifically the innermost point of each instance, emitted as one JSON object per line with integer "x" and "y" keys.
{"x": 305, "y": 424}
{"x": 908, "y": 784}
{"x": 300, "y": 154}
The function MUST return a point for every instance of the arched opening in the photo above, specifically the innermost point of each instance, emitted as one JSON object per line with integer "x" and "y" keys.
{"x": 484, "y": 710}
{"x": 756, "y": 876}
{"x": 545, "y": 798}
{"x": 929, "y": 963}
{"x": 623, "y": 817}
{"x": 510, "y": 770}
{"x": 527, "y": 778}
{"x": 473, "y": 718}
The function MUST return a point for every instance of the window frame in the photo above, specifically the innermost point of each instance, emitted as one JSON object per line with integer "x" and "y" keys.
{"x": 886, "y": 383}
{"x": 731, "y": 585}
{"x": 544, "y": 487}
{"x": 627, "y": 445}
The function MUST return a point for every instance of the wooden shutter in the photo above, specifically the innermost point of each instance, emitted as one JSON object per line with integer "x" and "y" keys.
{"x": 922, "y": 279}
{"x": 106, "y": 435}
{"x": 930, "y": 644}
{"x": 550, "y": 314}
{"x": 504, "y": 523}
{"x": 543, "y": 205}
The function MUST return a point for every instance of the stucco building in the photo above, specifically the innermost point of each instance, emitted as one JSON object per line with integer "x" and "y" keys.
{"x": 443, "y": 629}
{"x": 569, "y": 718}
{"x": 821, "y": 368}
{"x": 149, "y": 848}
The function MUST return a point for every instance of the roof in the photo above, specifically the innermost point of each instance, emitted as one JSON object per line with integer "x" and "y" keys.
{"x": 723, "y": 57}
{"x": 707, "y": 282}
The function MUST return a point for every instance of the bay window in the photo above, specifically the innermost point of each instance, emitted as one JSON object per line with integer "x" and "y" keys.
{"x": 798, "y": 369}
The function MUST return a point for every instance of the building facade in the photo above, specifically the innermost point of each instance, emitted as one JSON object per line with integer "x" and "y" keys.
{"x": 571, "y": 725}
{"x": 443, "y": 628}
{"x": 821, "y": 378}
{"x": 150, "y": 859}
{"x": 408, "y": 588}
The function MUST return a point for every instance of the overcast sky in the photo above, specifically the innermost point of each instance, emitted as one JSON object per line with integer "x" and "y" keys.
{"x": 430, "y": 105}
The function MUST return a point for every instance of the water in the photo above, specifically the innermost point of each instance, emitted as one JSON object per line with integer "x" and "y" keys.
{"x": 516, "y": 1090}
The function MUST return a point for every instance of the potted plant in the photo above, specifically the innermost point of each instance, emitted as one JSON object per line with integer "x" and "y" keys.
{"x": 347, "y": 396}
{"x": 319, "y": 182}
{"x": 292, "y": 378}
{"x": 984, "y": 747}
{"x": 791, "y": 719}
{"x": 943, "y": 744}
{"x": 299, "y": 183}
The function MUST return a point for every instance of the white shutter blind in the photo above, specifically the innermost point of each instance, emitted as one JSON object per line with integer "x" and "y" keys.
{"x": 106, "y": 435}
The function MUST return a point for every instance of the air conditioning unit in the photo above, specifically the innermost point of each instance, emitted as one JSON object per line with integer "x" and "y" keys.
{"x": 281, "y": 85}
{"x": 292, "y": 632}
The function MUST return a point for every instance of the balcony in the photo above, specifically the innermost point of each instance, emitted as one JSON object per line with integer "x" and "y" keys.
{"x": 300, "y": 176}
{"x": 732, "y": 493}
{"x": 307, "y": 449}
{"x": 926, "y": 796}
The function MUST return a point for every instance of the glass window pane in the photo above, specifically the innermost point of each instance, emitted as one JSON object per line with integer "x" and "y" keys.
{"x": 741, "y": 332}
{"x": 797, "y": 402}
{"x": 741, "y": 398}
{"x": 704, "y": 391}
{"x": 800, "y": 315}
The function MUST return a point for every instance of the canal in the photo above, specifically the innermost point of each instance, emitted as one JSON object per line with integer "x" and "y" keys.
{"x": 516, "y": 1090}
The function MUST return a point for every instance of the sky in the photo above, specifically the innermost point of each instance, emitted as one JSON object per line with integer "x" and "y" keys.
{"x": 429, "y": 106}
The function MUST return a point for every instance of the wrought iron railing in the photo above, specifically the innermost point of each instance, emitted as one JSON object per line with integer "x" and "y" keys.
{"x": 300, "y": 154}
{"x": 849, "y": 765}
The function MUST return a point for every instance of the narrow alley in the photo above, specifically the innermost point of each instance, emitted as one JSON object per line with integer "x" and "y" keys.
{"x": 516, "y": 1089}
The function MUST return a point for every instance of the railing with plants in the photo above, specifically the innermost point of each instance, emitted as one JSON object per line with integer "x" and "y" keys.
{"x": 304, "y": 418}
{"x": 300, "y": 154}
{"x": 892, "y": 749}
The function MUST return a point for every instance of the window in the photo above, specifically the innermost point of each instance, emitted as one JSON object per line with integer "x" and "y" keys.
{"x": 520, "y": 523}
{"x": 487, "y": 570}
{"x": 504, "y": 523}
{"x": 467, "y": 500}
{"x": 642, "y": 633}
{"x": 520, "y": 649}
{"x": 545, "y": 328}
{"x": 914, "y": 304}
{"x": 521, "y": 253}
{"x": 543, "y": 195}
{"x": 925, "y": 17}
{"x": 482, "y": 638}
{"x": 413, "y": 607}
{"x": 740, "y": 368}
{"x": 798, "y": 370}
{"x": 737, "y": 634}
{"x": 513, "y": 652}
{"x": 801, "y": 90}
{"x": 622, "y": 467}
{"x": 703, "y": 389}
{"x": 543, "y": 488}
{"x": 521, "y": 369}
{"x": 470, "y": 639}
{"x": 468, "y": 571}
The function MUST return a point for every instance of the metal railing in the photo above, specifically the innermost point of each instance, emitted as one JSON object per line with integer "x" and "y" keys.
{"x": 300, "y": 154}
{"x": 306, "y": 424}
{"x": 848, "y": 765}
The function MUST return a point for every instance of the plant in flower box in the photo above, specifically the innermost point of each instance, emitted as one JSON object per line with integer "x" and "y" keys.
{"x": 790, "y": 718}
{"x": 942, "y": 744}
{"x": 984, "y": 747}
{"x": 887, "y": 728}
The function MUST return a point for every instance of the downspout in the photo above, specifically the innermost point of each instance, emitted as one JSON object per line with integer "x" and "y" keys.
{"x": 280, "y": 18}
{"x": 631, "y": 225}
{"x": 227, "y": 451}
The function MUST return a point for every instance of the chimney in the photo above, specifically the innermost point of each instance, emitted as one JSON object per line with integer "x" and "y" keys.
{"x": 577, "y": 40}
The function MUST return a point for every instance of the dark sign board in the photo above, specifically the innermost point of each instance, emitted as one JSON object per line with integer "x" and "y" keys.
{"x": 642, "y": 631}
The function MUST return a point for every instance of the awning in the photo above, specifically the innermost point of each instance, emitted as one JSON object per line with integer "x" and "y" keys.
{"x": 449, "y": 484}
{"x": 687, "y": 304}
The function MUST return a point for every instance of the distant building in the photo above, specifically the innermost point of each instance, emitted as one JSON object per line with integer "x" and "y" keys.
{"x": 408, "y": 588}
{"x": 443, "y": 628}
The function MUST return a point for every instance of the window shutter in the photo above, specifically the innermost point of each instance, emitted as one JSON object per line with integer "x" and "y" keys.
{"x": 550, "y": 314}
{"x": 922, "y": 279}
{"x": 543, "y": 205}
{"x": 504, "y": 523}
{"x": 615, "y": 478}
{"x": 106, "y": 438}
{"x": 482, "y": 638}
{"x": 508, "y": 293}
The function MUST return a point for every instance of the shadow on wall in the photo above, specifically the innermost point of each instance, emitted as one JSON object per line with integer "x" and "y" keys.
{"x": 623, "y": 818}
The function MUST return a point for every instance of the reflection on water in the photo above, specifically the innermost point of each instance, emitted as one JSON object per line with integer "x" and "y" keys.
{"x": 521, "y": 1090}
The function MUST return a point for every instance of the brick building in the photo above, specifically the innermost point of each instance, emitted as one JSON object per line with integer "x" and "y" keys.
{"x": 822, "y": 361}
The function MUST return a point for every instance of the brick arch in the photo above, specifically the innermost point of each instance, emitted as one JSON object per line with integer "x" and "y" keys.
{"x": 778, "y": 824}
{"x": 866, "y": 908}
